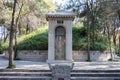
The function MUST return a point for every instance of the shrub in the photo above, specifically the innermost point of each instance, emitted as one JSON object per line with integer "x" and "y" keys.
{"x": 1, "y": 50}
{"x": 80, "y": 40}
{"x": 38, "y": 40}
{"x": 79, "y": 32}
{"x": 80, "y": 44}
{"x": 98, "y": 46}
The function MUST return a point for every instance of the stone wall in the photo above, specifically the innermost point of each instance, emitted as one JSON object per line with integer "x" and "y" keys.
{"x": 30, "y": 55}
{"x": 94, "y": 56}
{"x": 80, "y": 56}
{"x": 100, "y": 56}
{"x": 77, "y": 55}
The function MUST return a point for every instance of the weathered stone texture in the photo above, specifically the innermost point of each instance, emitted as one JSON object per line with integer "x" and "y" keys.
{"x": 61, "y": 72}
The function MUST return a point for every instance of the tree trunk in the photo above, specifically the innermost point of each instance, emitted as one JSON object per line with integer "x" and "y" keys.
{"x": 109, "y": 38}
{"x": 4, "y": 34}
{"x": 16, "y": 32}
{"x": 19, "y": 29}
{"x": 114, "y": 33}
{"x": 119, "y": 44}
{"x": 11, "y": 51}
{"x": 88, "y": 42}
{"x": 88, "y": 37}
{"x": 15, "y": 47}
{"x": 88, "y": 34}
{"x": 6, "y": 37}
{"x": 92, "y": 26}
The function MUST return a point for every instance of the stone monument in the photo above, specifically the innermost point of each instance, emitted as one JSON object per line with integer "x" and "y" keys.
{"x": 60, "y": 36}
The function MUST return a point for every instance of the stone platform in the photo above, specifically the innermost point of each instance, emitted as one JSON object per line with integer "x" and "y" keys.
{"x": 28, "y": 70}
{"x": 78, "y": 65}
{"x": 20, "y": 64}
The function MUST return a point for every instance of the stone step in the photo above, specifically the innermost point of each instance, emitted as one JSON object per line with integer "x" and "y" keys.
{"x": 23, "y": 70}
{"x": 50, "y": 78}
{"x": 89, "y": 71}
{"x": 24, "y": 78}
{"x": 39, "y": 70}
{"x": 95, "y": 74}
{"x": 25, "y": 73}
{"x": 95, "y": 78}
{"x": 49, "y": 74}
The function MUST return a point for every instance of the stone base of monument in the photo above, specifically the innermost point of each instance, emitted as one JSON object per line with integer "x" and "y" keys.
{"x": 61, "y": 71}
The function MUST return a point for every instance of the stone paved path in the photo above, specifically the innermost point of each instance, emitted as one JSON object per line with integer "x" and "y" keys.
{"x": 78, "y": 65}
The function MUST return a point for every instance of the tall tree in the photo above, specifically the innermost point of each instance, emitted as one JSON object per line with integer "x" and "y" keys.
{"x": 11, "y": 51}
{"x": 16, "y": 28}
{"x": 91, "y": 11}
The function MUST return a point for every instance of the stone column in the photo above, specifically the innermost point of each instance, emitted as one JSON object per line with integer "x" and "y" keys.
{"x": 50, "y": 43}
{"x": 69, "y": 41}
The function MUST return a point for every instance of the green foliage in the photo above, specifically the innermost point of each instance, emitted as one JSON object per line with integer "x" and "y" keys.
{"x": 115, "y": 49}
{"x": 38, "y": 40}
{"x": 79, "y": 32}
{"x": 98, "y": 46}
{"x": 80, "y": 40}
{"x": 101, "y": 43}
{"x": 79, "y": 43}
{"x": 1, "y": 50}
{"x": 5, "y": 46}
